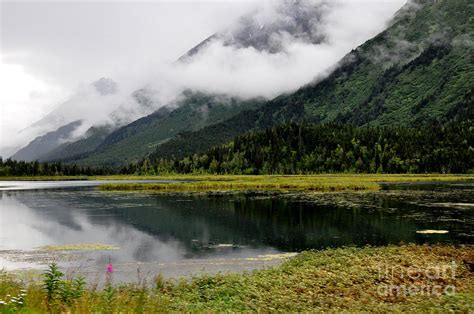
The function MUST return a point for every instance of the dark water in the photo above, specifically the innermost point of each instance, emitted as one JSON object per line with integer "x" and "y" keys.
{"x": 168, "y": 228}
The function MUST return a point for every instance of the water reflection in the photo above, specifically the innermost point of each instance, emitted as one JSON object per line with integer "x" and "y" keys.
{"x": 31, "y": 221}
{"x": 167, "y": 228}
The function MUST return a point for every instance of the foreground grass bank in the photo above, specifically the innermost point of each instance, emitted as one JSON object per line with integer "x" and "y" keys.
{"x": 394, "y": 278}
{"x": 324, "y": 183}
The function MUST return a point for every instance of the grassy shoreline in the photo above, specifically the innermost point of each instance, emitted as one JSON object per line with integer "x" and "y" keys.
{"x": 343, "y": 279}
{"x": 205, "y": 183}
{"x": 238, "y": 183}
{"x": 322, "y": 183}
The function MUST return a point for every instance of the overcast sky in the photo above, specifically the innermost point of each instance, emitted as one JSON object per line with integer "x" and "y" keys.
{"x": 48, "y": 49}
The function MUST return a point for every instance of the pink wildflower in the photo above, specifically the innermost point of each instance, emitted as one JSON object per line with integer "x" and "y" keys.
{"x": 110, "y": 268}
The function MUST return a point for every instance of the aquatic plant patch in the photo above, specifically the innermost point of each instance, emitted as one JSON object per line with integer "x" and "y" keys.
{"x": 316, "y": 183}
{"x": 79, "y": 247}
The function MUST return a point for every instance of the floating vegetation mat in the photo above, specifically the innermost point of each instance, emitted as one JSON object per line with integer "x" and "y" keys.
{"x": 321, "y": 183}
{"x": 432, "y": 231}
{"x": 271, "y": 257}
{"x": 80, "y": 247}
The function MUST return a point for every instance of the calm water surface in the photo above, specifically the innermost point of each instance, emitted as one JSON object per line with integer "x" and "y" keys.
{"x": 170, "y": 229}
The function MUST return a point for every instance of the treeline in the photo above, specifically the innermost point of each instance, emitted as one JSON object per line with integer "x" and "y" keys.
{"x": 299, "y": 148}
{"x": 34, "y": 168}
{"x": 329, "y": 148}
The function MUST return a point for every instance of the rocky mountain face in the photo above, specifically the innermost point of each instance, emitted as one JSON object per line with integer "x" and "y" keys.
{"x": 289, "y": 21}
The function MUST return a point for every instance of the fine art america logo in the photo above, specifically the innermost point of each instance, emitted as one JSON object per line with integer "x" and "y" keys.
{"x": 401, "y": 281}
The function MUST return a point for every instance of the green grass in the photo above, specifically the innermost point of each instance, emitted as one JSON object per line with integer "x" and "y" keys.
{"x": 323, "y": 183}
{"x": 344, "y": 279}
{"x": 79, "y": 247}
{"x": 219, "y": 183}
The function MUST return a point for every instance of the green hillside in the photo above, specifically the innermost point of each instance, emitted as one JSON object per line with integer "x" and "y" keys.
{"x": 419, "y": 70}
{"x": 133, "y": 141}
{"x": 41, "y": 145}
{"x": 92, "y": 139}
{"x": 302, "y": 148}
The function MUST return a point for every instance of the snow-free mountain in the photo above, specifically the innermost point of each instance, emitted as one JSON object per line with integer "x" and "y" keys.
{"x": 94, "y": 141}
{"x": 418, "y": 71}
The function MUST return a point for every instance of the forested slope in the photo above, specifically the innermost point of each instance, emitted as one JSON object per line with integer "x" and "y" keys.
{"x": 420, "y": 70}
{"x": 295, "y": 148}
{"x": 132, "y": 142}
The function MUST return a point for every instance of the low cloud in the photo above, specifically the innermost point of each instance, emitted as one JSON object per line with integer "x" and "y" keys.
{"x": 226, "y": 68}
{"x": 297, "y": 53}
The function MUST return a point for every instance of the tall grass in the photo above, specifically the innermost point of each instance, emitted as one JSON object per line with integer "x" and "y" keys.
{"x": 344, "y": 279}
{"x": 323, "y": 183}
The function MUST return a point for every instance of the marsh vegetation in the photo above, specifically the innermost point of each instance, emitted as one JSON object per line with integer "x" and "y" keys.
{"x": 322, "y": 183}
{"x": 343, "y": 279}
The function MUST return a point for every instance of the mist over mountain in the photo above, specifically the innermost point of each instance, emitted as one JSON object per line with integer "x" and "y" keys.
{"x": 44, "y": 144}
{"x": 98, "y": 105}
{"x": 276, "y": 48}
{"x": 279, "y": 47}
{"x": 105, "y": 86}
{"x": 268, "y": 30}
{"x": 74, "y": 105}
{"x": 419, "y": 71}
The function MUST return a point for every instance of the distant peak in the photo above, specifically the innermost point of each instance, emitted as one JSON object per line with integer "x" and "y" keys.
{"x": 105, "y": 86}
{"x": 265, "y": 31}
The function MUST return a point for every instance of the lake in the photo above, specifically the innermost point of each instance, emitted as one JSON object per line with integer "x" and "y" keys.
{"x": 188, "y": 234}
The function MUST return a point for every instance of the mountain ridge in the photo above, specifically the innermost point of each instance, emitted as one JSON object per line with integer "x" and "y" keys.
{"x": 139, "y": 138}
{"x": 47, "y": 142}
{"x": 406, "y": 87}
{"x": 295, "y": 19}
{"x": 417, "y": 71}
